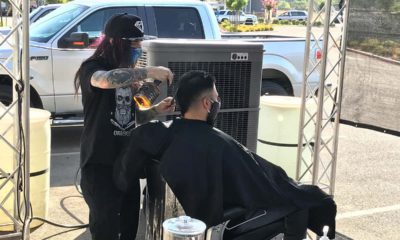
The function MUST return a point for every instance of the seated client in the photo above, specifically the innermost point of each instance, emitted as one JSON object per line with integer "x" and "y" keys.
{"x": 211, "y": 173}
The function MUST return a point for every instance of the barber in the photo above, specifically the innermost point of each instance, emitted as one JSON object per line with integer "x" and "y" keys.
{"x": 108, "y": 80}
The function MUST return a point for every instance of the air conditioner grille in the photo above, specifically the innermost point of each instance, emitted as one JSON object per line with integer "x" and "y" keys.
{"x": 233, "y": 80}
{"x": 235, "y": 124}
{"x": 142, "y": 62}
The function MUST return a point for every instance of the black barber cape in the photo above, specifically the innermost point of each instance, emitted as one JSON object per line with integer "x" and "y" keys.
{"x": 210, "y": 172}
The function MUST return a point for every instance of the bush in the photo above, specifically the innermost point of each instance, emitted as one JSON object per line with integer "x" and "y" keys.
{"x": 318, "y": 24}
{"x": 275, "y": 21}
{"x": 387, "y": 48}
{"x": 285, "y": 22}
{"x": 295, "y": 22}
{"x": 246, "y": 28}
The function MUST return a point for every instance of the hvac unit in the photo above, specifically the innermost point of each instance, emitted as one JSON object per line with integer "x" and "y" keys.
{"x": 237, "y": 67}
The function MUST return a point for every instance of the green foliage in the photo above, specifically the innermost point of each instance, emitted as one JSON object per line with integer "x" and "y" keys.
{"x": 283, "y": 5}
{"x": 295, "y": 22}
{"x": 236, "y": 4}
{"x": 396, "y": 7}
{"x": 284, "y": 22}
{"x": 245, "y": 28}
{"x": 291, "y": 22}
{"x": 57, "y": 1}
{"x": 386, "y": 48}
{"x": 318, "y": 23}
{"x": 299, "y": 4}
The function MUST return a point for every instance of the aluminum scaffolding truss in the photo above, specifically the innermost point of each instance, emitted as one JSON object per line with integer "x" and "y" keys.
{"x": 321, "y": 105}
{"x": 14, "y": 171}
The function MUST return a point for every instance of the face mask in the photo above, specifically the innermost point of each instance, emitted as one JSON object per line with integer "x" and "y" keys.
{"x": 136, "y": 53}
{"x": 214, "y": 110}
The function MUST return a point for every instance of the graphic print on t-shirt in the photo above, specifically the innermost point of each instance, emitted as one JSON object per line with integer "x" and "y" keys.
{"x": 124, "y": 116}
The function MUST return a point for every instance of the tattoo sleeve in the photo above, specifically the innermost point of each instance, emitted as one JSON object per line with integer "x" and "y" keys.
{"x": 120, "y": 77}
{"x": 144, "y": 116}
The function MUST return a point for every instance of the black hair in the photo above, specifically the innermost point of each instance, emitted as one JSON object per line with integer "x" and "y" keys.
{"x": 115, "y": 54}
{"x": 191, "y": 85}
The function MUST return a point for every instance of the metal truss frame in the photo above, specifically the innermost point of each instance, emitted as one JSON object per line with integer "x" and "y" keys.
{"x": 321, "y": 105}
{"x": 10, "y": 186}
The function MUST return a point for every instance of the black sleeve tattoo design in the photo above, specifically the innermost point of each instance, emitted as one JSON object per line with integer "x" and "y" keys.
{"x": 120, "y": 77}
{"x": 144, "y": 116}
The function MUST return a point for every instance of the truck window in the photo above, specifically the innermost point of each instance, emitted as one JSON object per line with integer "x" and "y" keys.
{"x": 52, "y": 23}
{"x": 94, "y": 24}
{"x": 178, "y": 22}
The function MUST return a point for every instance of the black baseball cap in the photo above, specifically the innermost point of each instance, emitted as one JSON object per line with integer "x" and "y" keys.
{"x": 125, "y": 26}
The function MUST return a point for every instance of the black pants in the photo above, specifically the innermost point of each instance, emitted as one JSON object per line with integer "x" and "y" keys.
{"x": 112, "y": 214}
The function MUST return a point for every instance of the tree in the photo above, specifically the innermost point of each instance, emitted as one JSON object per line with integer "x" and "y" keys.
{"x": 283, "y": 5}
{"x": 300, "y": 4}
{"x": 236, "y": 5}
{"x": 268, "y": 6}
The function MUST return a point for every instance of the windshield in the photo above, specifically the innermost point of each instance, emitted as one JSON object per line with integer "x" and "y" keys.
{"x": 34, "y": 12}
{"x": 45, "y": 28}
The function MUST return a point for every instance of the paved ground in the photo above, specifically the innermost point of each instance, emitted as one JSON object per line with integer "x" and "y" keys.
{"x": 367, "y": 189}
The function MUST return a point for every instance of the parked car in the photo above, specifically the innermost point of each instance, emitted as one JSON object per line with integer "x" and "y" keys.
{"x": 293, "y": 15}
{"x": 34, "y": 16}
{"x": 42, "y": 11}
{"x": 229, "y": 15}
{"x": 61, "y": 40}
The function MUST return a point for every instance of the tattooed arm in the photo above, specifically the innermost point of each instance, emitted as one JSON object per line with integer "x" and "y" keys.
{"x": 122, "y": 77}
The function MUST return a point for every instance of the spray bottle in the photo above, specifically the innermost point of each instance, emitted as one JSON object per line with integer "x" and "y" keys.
{"x": 325, "y": 231}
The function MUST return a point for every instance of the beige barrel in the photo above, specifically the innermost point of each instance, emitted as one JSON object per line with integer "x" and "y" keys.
{"x": 40, "y": 143}
{"x": 278, "y": 131}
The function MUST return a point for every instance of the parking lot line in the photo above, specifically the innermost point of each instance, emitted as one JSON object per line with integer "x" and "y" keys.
{"x": 365, "y": 212}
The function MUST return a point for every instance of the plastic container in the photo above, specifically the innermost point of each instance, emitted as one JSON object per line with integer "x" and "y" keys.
{"x": 183, "y": 228}
{"x": 278, "y": 131}
{"x": 40, "y": 143}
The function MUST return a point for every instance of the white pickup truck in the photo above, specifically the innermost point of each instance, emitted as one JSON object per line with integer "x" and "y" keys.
{"x": 54, "y": 57}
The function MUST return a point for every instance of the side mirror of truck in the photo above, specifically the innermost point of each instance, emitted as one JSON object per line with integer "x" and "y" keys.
{"x": 76, "y": 40}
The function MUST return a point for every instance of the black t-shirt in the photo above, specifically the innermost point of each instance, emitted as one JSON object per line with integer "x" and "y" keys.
{"x": 109, "y": 117}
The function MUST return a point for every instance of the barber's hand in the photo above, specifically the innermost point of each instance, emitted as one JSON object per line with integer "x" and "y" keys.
{"x": 160, "y": 73}
{"x": 165, "y": 106}
{"x": 135, "y": 86}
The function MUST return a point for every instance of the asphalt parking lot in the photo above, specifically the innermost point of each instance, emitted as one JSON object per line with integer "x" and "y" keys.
{"x": 367, "y": 190}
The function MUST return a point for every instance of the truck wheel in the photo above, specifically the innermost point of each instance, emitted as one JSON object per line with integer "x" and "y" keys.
{"x": 5, "y": 94}
{"x": 271, "y": 88}
{"x": 6, "y": 97}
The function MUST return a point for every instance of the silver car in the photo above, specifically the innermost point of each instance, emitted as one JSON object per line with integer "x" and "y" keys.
{"x": 293, "y": 15}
